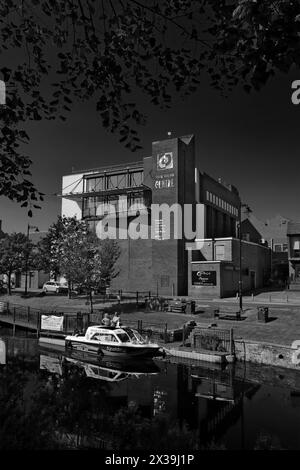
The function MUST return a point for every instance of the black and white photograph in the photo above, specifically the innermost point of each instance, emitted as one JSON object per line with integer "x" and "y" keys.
{"x": 149, "y": 228}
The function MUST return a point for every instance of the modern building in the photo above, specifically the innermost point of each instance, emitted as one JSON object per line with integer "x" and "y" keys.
{"x": 125, "y": 198}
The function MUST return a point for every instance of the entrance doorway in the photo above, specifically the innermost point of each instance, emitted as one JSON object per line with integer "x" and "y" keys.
{"x": 297, "y": 272}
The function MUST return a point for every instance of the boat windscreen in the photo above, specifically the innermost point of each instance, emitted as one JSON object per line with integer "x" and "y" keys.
{"x": 123, "y": 337}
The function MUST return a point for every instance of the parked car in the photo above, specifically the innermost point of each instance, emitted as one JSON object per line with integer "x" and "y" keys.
{"x": 3, "y": 288}
{"x": 53, "y": 286}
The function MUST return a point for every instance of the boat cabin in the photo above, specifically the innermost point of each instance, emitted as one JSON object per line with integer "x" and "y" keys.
{"x": 105, "y": 334}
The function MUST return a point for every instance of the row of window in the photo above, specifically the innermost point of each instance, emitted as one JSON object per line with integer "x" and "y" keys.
{"x": 280, "y": 247}
{"x": 221, "y": 203}
{"x": 118, "y": 181}
{"x": 93, "y": 206}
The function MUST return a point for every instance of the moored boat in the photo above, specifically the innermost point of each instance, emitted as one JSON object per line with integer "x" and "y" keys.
{"x": 109, "y": 341}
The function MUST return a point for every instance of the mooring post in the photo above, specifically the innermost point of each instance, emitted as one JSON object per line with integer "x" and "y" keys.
{"x": 38, "y": 324}
{"x": 28, "y": 313}
{"x": 166, "y": 332}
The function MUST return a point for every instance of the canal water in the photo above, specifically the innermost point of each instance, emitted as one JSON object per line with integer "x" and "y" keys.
{"x": 50, "y": 400}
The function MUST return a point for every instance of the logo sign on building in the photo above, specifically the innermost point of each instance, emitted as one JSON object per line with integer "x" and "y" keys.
{"x": 52, "y": 323}
{"x": 165, "y": 161}
{"x": 204, "y": 278}
{"x": 164, "y": 183}
{"x": 2, "y": 92}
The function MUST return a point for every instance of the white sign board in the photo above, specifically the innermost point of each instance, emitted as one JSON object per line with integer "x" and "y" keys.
{"x": 52, "y": 322}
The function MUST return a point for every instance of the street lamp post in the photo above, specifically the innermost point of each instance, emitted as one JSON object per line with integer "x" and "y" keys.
{"x": 240, "y": 259}
{"x": 27, "y": 256}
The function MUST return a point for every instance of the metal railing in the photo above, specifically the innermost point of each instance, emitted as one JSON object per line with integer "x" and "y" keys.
{"x": 31, "y": 318}
{"x": 214, "y": 339}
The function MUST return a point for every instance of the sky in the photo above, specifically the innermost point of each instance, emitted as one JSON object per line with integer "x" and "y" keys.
{"x": 249, "y": 140}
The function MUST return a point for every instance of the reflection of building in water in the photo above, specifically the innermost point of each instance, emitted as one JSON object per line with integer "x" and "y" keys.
{"x": 207, "y": 398}
{"x": 159, "y": 402}
{"x": 211, "y": 399}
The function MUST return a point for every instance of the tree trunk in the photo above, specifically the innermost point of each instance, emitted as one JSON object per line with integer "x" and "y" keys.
{"x": 69, "y": 290}
{"x": 9, "y": 283}
{"x": 91, "y": 300}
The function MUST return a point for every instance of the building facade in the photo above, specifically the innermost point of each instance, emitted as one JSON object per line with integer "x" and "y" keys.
{"x": 215, "y": 267}
{"x": 273, "y": 233}
{"x": 125, "y": 198}
{"x": 293, "y": 233}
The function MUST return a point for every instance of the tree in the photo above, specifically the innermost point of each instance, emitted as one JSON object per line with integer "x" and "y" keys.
{"x": 109, "y": 51}
{"x": 47, "y": 258}
{"x": 97, "y": 264}
{"x": 15, "y": 251}
{"x": 70, "y": 250}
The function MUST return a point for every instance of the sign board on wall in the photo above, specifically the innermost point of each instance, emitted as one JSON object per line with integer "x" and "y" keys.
{"x": 204, "y": 278}
{"x": 52, "y": 323}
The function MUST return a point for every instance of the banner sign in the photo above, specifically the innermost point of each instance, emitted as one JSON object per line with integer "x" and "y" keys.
{"x": 204, "y": 278}
{"x": 52, "y": 322}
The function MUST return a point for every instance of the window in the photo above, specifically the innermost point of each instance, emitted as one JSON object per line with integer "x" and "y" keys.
{"x": 277, "y": 248}
{"x": 104, "y": 337}
{"x": 296, "y": 245}
{"x": 220, "y": 252}
{"x": 136, "y": 178}
{"x": 285, "y": 247}
{"x": 94, "y": 184}
{"x": 123, "y": 337}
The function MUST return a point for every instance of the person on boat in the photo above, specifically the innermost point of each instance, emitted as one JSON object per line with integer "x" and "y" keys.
{"x": 116, "y": 320}
{"x": 106, "y": 321}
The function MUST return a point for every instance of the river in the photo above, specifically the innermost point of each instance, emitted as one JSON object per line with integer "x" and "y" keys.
{"x": 50, "y": 400}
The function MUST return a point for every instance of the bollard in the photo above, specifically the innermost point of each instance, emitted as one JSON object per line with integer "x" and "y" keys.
{"x": 166, "y": 333}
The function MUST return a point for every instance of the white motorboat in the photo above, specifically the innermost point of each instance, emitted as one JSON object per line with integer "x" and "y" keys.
{"x": 109, "y": 341}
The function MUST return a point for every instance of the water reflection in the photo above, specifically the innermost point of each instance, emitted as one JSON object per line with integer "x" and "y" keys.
{"x": 108, "y": 370}
{"x": 53, "y": 400}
